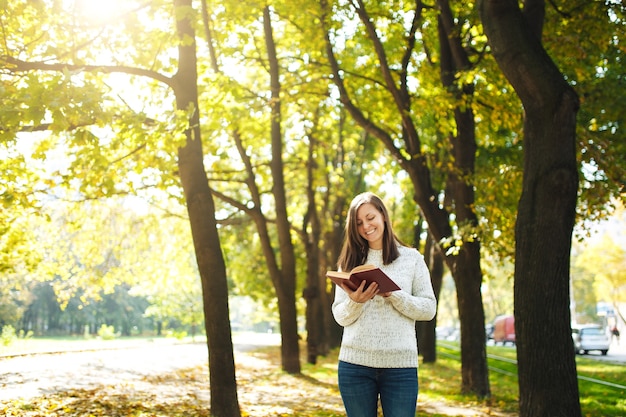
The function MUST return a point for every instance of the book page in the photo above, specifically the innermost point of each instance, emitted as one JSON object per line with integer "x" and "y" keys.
{"x": 361, "y": 268}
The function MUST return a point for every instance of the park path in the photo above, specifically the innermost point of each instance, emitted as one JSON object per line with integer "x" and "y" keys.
{"x": 34, "y": 375}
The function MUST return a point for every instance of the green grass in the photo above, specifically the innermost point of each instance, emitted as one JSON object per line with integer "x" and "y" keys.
{"x": 599, "y": 400}
{"x": 596, "y": 400}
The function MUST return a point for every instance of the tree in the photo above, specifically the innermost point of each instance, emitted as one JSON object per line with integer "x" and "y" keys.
{"x": 314, "y": 292}
{"x": 201, "y": 210}
{"x": 547, "y": 207}
{"x": 193, "y": 178}
{"x": 280, "y": 260}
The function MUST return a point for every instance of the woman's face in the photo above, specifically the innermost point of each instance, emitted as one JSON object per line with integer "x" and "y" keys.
{"x": 370, "y": 225}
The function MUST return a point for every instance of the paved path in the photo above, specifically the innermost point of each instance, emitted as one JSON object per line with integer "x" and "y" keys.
{"x": 35, "y": 375}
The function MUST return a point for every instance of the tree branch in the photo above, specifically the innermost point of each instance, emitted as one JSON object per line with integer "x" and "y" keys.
{"x": 17, "y": 65}
{"x": 148, "y": 121}
{"x": 344, "y": 96}
{"x": 412, "y": 138}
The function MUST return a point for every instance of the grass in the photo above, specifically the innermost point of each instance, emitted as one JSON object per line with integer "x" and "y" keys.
{"x": 439, "y": 382}
{"x": 599, "y": 400}
{"x": 596, "y": 400}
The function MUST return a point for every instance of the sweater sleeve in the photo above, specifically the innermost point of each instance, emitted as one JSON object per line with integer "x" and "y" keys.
{"x": 420, "y": 304}
{"x": 344, "y": 309}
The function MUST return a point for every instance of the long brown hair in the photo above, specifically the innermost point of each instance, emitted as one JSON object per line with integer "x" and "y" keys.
{"x": 355, "y": 248}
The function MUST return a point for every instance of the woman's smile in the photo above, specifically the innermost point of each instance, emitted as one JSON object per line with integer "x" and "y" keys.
{"x": 371, "y": 225}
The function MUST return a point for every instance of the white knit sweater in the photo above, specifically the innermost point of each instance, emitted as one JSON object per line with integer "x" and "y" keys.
{"x": 380, "y": 333}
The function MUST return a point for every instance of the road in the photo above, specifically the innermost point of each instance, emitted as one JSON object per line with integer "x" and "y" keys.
{"x": 616, "y": 353}
{"x": 35, "y": 375}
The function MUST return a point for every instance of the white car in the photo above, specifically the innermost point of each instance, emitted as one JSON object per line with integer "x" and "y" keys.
{"x": 590, "y": 337}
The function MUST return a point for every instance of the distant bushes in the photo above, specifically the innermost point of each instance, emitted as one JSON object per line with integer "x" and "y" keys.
{"x": 106, "y": 332}
{"x": 8, "y": 335}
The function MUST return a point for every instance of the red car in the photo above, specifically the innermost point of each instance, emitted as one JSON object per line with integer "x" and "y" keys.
{"x": 504, "y": 330}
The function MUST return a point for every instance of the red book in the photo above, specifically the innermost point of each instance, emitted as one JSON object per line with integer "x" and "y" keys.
{"x": 367, "y": 273}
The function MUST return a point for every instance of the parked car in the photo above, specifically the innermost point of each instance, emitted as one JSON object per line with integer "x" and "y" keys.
{"x": 504, "y": 330}
{"x": 590, "y": 337}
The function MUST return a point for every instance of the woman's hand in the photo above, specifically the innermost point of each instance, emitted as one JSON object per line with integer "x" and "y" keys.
{"x": 361, "y": 295}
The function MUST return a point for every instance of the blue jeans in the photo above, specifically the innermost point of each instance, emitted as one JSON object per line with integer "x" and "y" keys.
{"x": 360, "y": 387}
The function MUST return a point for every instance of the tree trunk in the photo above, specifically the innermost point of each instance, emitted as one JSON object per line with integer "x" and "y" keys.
{"x": 427, "y": 330}
{"x": 460, "y": 189}
{"x": 315, "y": 335}
{"x": 332, "y": 247}
{"x": 290, "y": 348}
{"x": 283, "y": 273}
{"x": 315, "y": 290}
{"x": 546, "y": 211}
{"x": 201, "y": 209}
{"x": 283, "y": 279}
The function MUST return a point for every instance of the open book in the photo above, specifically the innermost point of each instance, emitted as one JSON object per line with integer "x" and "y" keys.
{"x": 369, "y": 273}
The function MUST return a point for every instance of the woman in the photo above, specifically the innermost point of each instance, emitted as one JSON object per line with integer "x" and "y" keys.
{"x": 378, "y": 355}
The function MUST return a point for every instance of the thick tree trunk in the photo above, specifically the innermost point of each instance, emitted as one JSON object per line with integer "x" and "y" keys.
{"x": 290, "y": 348}
{"x": 201, "y": 209}
{"x": 546, "y": 212}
